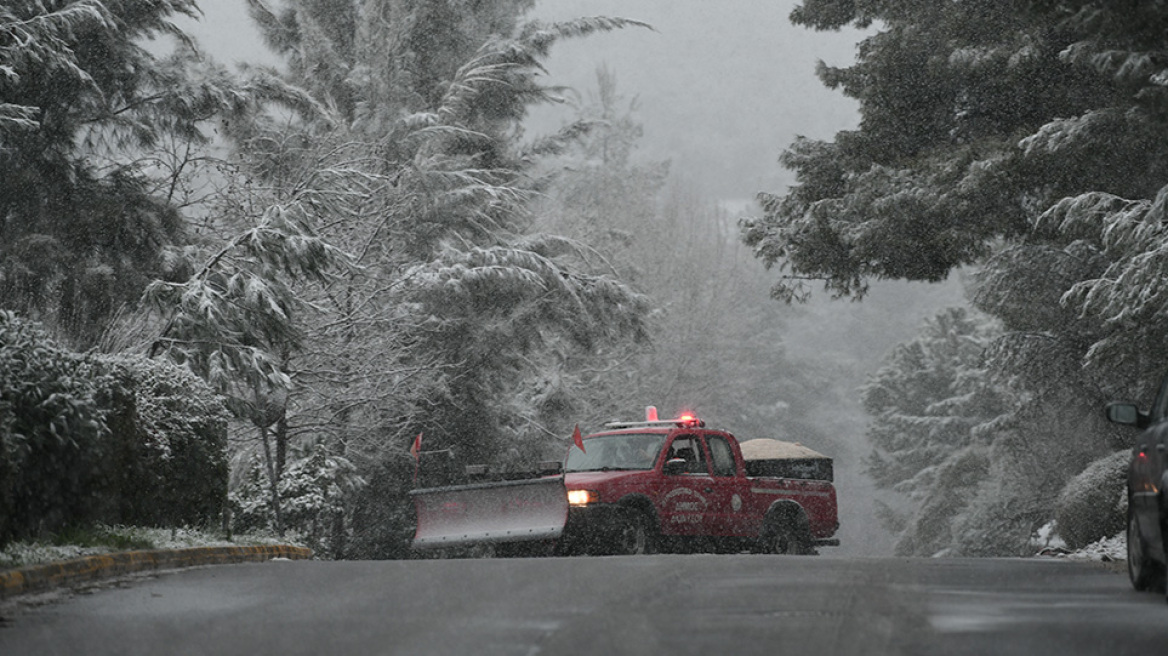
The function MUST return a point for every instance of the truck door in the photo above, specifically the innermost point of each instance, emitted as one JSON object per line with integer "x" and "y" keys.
{"x": 730, "y": 515}
{"x": 685, "y": 497}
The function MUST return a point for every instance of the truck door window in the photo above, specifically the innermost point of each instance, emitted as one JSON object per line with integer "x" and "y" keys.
{"x": 721, "y": 456}
{"x": 688, "y": 448}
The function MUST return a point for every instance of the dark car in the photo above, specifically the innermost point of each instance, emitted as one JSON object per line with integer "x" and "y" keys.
{"x": 1147, "y": 507}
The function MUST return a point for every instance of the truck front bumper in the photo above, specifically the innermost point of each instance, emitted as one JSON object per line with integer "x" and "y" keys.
{"x": 592, "y": 529}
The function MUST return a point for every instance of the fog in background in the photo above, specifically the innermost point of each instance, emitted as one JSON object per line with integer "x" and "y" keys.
{"x": 722, "y": 89}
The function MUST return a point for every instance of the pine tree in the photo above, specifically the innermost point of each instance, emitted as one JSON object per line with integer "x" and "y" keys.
{"x": 1022, "y": 138}
{"x": 80, "y": 100}
{"x": 928, "y": 403}
{"x": 408, "y": 161}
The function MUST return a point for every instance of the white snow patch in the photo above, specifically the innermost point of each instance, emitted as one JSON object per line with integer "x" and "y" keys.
{"x": 23, "y": 554}
{"x": 1108, "y": 549}
{"x": 1046, "y": 542}
{"x": 1047, "y": 537}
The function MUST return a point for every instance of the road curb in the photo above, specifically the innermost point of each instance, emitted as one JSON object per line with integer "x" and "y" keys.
{"x": 36, "y": 578}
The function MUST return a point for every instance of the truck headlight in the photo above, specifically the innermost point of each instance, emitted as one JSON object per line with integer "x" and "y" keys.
{"x": 581, "y": 497}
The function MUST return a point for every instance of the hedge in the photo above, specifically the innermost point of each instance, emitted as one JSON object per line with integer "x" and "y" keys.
{"x": 88, "y": 439}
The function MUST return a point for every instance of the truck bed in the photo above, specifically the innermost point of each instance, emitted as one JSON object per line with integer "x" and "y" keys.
{"x": 773, "y": 458}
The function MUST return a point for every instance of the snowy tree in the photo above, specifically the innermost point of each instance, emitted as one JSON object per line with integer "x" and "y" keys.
{"x": 81, "y": 102}
{"x": 1022, "y": 138}
{"x": 926, "y": 402}
{"x": 927, "y": 398}
{"x": 712, "y": 348}
{"x": 406, "y": 158}
{"x": 235, "y": 320}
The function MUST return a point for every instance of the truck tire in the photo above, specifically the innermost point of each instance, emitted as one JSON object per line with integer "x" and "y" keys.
{"x": 1144, "y": 572}
{"x": 786, "y": 531}
{"x": 784, "y": 539}
{"x": 633, "y": 535}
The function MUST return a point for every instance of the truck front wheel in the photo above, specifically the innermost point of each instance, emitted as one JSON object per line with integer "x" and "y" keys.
{"x": 633, "y": 538}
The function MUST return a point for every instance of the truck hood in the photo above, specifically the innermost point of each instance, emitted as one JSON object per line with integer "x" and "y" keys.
{"x": 593, "y": 479}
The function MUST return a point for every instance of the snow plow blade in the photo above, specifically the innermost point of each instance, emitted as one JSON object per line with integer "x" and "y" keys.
{"x": 495, "y": 512}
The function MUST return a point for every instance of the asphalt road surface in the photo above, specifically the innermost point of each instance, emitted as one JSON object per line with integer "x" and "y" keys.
{"x": 669, "y": 604}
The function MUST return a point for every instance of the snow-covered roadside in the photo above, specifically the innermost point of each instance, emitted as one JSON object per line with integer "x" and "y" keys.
{"x": 1047, "y": 543}
{"x": 1112, "y": 549}
{"x": 23, "y": 554}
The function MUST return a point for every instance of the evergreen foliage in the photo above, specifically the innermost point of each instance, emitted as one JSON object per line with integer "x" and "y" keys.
{"x": 372, "y": 272}
{"x": 1093, "y": 505}
{"x": 79, "y": 98}
{"x": 52, "y": 425}
{"x": 929, "y": 405}
{"x": 927, "y": 399}
{"x": 314, "y": 491}
{"x": 88, "y": 439}
{"x": 712, "y": 347}
{"x": 1024, "y": 139}
{"x": 167, "y": 445}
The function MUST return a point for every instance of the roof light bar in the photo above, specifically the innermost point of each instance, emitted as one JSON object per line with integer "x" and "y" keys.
{"x": 684, "y": 421}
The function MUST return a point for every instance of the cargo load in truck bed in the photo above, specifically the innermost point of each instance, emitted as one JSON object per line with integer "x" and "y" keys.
{"x": 766, "y": 457}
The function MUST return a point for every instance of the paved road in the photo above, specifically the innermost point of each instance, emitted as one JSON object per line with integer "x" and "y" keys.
{"x": 675, "y": 604}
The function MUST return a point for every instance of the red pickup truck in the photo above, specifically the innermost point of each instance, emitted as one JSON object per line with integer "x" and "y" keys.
{"x": 638, "y": 487}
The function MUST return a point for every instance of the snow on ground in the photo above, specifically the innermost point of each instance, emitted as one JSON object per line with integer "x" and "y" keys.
{"x": 1107, "y": 550}
{"x": 1046, "y": 542}
{"x": 22, "y": 554}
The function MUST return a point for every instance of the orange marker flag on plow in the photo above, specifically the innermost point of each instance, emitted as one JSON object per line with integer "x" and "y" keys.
{"x": 416, "y": 452}
{"x": 577, "y": 438}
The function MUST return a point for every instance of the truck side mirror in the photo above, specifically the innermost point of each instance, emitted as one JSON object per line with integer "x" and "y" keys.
{"x": 675, "y": 466}
{"x": 1123, "y": 413}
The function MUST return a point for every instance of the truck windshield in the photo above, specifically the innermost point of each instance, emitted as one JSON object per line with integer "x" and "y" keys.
{"x": 613, "y": 452}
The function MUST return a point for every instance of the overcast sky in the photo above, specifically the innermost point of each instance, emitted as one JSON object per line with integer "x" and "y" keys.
{"x": 723, "y": 86}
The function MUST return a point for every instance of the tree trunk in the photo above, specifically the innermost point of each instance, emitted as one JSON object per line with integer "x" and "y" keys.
{"x": 273, "y": 481}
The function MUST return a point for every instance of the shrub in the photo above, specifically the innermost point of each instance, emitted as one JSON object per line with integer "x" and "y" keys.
{"x": 383, "y": 513}
{"x": 168, "y": 444}
{"x": 1093, "y": 504}
{"x": 88, "y": 439}
{"x": 314, "y": 492}
{"x": 51, "y": 429}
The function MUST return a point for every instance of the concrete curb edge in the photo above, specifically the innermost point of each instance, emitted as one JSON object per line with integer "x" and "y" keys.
{"x": 37, "y": 578}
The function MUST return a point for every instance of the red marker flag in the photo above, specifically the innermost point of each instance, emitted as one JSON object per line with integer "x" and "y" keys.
{"x": 577, "y": 438}
{"x": 416, "y": 447}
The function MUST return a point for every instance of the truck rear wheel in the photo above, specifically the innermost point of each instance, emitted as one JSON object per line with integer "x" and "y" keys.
{"x": 785, "y": 539}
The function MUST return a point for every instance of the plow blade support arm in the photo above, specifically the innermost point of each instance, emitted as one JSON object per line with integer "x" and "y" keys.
{"x": 505, "y": 511}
